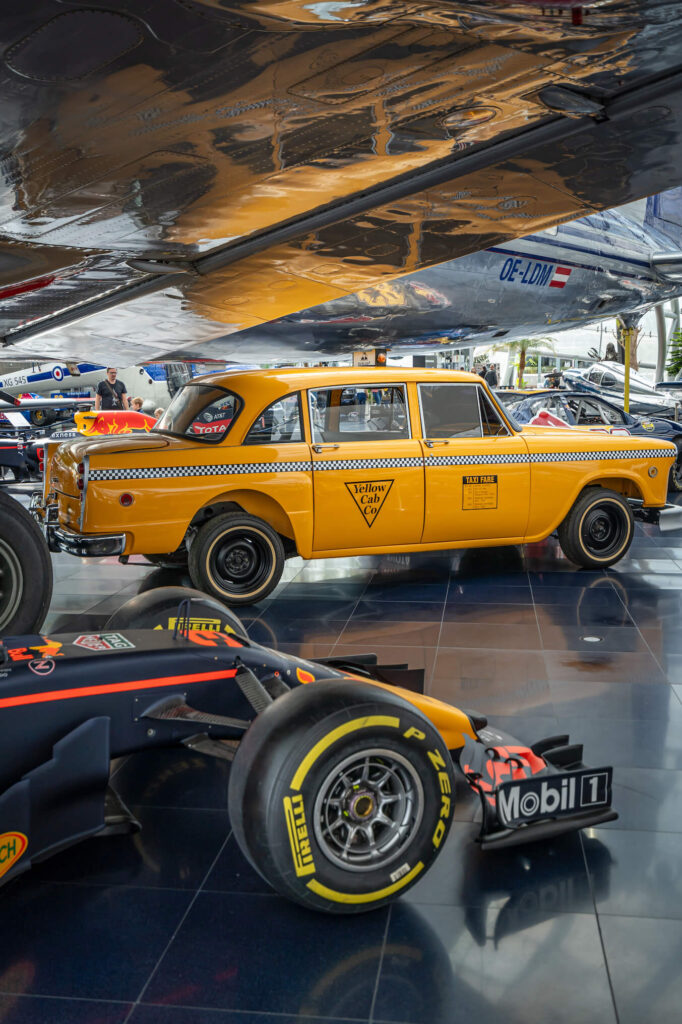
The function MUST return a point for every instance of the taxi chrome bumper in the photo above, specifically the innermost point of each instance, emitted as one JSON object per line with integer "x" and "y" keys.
{"x": 84, "y": 545}
{"x": 667, "y": 518}
{"x": 59, "y": 538}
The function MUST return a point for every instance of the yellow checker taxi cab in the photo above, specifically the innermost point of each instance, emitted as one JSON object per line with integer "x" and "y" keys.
{"x": 247, "y": 469}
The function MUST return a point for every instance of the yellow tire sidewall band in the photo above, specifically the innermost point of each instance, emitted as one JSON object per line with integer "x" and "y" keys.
{"x": 365, "y": 897}
{"x": 221, "y": 537}
{"x": 366, "y": 722}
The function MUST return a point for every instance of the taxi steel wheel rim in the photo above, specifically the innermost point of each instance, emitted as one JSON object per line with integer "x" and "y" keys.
{"x": 604, "y": 529}
{"x": 677, "y": 472}
{"x": 11, "y": 585}
{"x": 368, "y": 810}
{"x": 241, "y": 562}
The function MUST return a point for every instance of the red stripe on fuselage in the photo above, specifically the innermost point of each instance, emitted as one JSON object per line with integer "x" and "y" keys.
{"x": 95, "y": 691}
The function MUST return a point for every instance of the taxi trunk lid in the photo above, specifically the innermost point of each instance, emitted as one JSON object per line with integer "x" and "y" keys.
{"x": 64, "y": 464}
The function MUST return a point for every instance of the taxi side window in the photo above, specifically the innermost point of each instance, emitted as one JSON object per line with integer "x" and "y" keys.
{"x": 490, "y": 420}
{"x": 450, "y": 410}
{"x": 362, "y": 413}
{"x": 280, "y": 422}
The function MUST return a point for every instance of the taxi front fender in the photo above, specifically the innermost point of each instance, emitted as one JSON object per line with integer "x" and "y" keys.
{"x": 628, "y": 482}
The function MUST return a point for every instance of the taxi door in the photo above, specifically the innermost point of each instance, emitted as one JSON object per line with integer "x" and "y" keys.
{"x": 368, "y": 471}
{"x": 477, "y": 473}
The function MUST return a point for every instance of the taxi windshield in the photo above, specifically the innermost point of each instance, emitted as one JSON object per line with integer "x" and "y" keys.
{"x": 201, "y": 411}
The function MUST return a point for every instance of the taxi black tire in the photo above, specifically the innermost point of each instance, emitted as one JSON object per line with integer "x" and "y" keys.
{"x": 254, "y": 548}
{"x": 598, "y": 530}
{"x": 675, "y": 479}
{"x": 286, "y": 777}
{"x": 25, "y": 571}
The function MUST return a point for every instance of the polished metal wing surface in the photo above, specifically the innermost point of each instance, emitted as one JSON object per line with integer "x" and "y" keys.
{"x": 174, "y": 171}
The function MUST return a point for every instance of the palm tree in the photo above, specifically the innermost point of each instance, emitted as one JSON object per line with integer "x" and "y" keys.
{"x": 521, "y": 347}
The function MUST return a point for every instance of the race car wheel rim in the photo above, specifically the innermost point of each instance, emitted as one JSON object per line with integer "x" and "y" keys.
{"x": 241, "y": 563}
{"x": 11, "y": 584}
{"x": 368, "y": 810}
{"x": 604, "y": 529}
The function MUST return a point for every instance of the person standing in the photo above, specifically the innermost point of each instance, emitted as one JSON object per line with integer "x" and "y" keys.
{"x": 491, "y": 376}
{"x": 111, "y": 393}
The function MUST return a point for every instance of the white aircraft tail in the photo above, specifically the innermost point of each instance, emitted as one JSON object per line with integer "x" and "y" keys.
{"x": 664, "y": 214}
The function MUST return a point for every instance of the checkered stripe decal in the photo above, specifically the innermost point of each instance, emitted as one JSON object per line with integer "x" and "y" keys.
{"x": 225, "y": 469}
{"x": 230, "y": 469}
{"x": 367, "y": 463}
{"x": 496, "y": 460}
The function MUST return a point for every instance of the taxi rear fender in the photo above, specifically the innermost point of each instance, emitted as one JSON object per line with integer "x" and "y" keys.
{"x": 255, "y": 503}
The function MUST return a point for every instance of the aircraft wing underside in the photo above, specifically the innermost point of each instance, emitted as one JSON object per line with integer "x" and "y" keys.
{"x": 178, "y": 170}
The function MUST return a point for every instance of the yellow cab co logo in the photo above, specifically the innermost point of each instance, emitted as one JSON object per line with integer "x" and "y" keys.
{"x": 369, "y": 496}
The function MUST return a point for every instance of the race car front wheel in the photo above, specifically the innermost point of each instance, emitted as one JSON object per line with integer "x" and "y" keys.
{"x": 598, "y": 530}
{"x": 25, "y": 571}
{"x": 341, "y": 795}
{"x": 236, "y": 557}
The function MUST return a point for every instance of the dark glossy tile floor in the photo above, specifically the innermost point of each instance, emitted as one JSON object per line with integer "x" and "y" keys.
{"x": 174, "y": 927}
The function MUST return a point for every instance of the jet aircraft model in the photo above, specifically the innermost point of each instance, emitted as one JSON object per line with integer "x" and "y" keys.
{"x": 177, "y": 172}
{"x": 603, "y": 265}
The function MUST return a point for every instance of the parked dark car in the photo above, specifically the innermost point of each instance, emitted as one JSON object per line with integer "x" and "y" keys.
{"x": 576, "y": 409}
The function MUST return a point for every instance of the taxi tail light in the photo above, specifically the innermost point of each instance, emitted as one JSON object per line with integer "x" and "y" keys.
{"x": 40, "y": 455}
{"x": 80, "y": 482}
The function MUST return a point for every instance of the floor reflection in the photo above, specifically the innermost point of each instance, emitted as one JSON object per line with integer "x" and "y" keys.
{"x": 173, "y": 926}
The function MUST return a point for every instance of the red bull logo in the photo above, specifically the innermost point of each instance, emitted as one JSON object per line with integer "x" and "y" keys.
{"x": 12, "y": 847}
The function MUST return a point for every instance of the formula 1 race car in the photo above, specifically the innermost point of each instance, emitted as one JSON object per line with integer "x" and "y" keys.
{"x": 342, "y": 784}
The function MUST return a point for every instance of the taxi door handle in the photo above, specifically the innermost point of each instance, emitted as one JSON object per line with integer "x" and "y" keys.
{"x": 323, "y": 447}
{"x": 431, "y": 444}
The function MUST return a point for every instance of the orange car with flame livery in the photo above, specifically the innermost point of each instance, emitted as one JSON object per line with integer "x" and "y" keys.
{"x": 112, "y": 421}
{"x": 246, "y": 469}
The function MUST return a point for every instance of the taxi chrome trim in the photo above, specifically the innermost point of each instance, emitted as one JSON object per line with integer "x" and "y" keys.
{"x": 667, "y": 518}
{"x": 670, "y": 518}
{"x": 86, "y": 477}
{"x": 82, "y": 545}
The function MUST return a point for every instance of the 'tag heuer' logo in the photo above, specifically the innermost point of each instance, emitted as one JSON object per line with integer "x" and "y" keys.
{"x": 12, "y": 847}
{"x": 369, "y": 496}
{"x": 103, "y": 642}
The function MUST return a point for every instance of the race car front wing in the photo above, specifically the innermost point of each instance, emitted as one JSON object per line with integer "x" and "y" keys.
{"x": 531, "y": 793}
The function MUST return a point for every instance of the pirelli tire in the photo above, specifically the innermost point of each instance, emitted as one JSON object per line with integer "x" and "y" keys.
{"x": 237, "y": 558}
{"x": 166, "y": 608}
{"x": 598, "y": 530}
{"x": 341, "y": 795}
{"x": 25, "y": 571}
